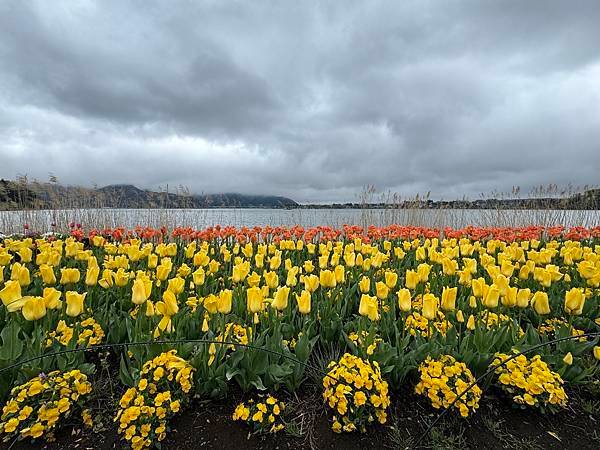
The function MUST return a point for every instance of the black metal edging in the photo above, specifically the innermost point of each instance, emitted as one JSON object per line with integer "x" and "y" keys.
{"x": 489, "y": 371}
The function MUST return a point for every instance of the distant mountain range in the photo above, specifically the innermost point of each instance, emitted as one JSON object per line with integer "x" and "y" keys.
{"x": 19, "y": 195}
{"x": 34, "y": 195}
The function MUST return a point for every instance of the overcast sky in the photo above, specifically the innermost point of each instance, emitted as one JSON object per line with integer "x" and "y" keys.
{"x": 311, "y": 100}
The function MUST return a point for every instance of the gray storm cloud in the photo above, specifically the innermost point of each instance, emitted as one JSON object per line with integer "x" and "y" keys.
{"x": 312, "y": 100}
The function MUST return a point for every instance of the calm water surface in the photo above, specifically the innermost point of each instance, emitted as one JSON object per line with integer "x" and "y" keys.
{"x": 13, "y": 221}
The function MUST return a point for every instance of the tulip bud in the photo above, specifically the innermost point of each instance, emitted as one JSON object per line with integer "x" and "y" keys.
{"x": 472, "y": 301}
{"x": 471, "y": 323}
{"x": 597, "y": 352}
{"x": 404, "y": 300}
{"x": 568, "y": 359}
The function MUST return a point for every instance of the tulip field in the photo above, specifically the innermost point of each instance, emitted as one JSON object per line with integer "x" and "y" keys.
{"x": 367, "y": 321}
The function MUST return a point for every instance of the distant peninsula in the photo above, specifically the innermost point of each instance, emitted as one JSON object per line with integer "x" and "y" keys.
{"x": 16, "y": 195}
{"x": 34, "y": 195}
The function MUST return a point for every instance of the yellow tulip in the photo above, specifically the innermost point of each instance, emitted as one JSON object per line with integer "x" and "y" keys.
{"x": 91, "y": 275}
{"x": 350, "y": 259}
{"x": 198, "y": 276}
{"x": 574, "y": 301}
{"x": 176, "y": 285}
{"x": 165, "y": 325}
{"x": 211, "y": 303}
{"x": 170, "y": 307}
{"x": 327, "y": 279}
{"x": 11, "y": 294}
{"x": 492, "y": 296}
{"x": 253, "y": 280}
{"x": 381, "y": 290}
{"x": 391, "y": 279}
{"x": 364, "y": 284}
{"x": 272, "y": 279}
{"x": 240, "y": 272}
{"x": 26, "y": 254}
{"x": 74, "y": 303}
{"x": 259, "y": 260}
{"x": 121, "y": 277}
{"x": 423, "y": 271}
{"x": 449, "y": 266}
{"x": 52, "y": 298}
{"x": 430, "y": 306}
{"x": 274, "y": 262}
{"x": 524, "y": 272}
{"x": 568, "y": 359}
{"x": 311, "y": 283}
{"x": 477, "y": 286}
{"x": 163, "y": 271}
{"x": 152, "y": 261}
{"x": 472, "y": 301}
{"x": 308, "y": 266}
{"x": 225, "y": 301}
{"x": 404, "y": 300}
{"x": 304, "y": 302}
{"x": 471, "y": 323}
{"x": 412, "y": 279}
{"x": 149, "y": 309}
{"x": 597, "y": 352}
{"x": 460, "y": 318}
{"x": 47, "y": 273}
{"x": 138, "y": 294}
{"x": 540, "y": 303}
{"x": 340, "y": 274}
{"x": 280, "y": 301}
{"x": 34, "y": 308}
{"x": 107, "y": 279}
{"x": 69, "y": 276}
{"x": 369, "y": 306}
{"x": 510, "y": 298}
{"x": 523, "y": 296}
{"x": 449, "y": 298}
{"x": 291, "y": 279}
{"x": 254, "y": 299}
{"x": 21, "y": 274}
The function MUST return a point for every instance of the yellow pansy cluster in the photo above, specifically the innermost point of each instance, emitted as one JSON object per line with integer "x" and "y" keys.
{"x": 90, "y": 333}
{"x": 530, "y": 382}
{"x": 37, "y": 407}
{"x": 263, "y": 415}
{"x": 356, "y": 393}
{"x": 443, "y": 380}
{"x": 158, "y": 395}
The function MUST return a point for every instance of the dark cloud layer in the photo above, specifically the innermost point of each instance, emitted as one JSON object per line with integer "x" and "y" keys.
{"x": 307, "y": 99}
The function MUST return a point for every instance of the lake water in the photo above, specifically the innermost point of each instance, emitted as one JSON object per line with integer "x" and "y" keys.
{"x": 14, "y": 221}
